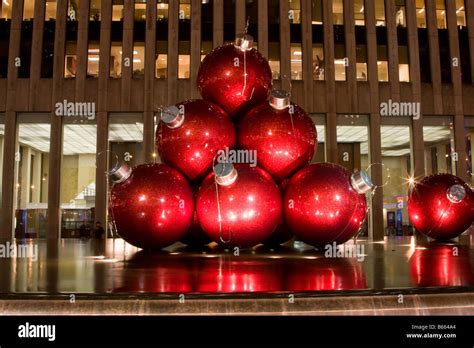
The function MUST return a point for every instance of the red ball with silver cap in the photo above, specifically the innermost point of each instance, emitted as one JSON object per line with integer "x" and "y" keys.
{"x": 238, "y": 205}
{"x": 325, "y": 203}
{"x": 190, "y": 135}
{"x": 282, "y": 133}
{"x": 440, "y": 206}
{"x": 235, "y": 76}
{"x": 152, "y": 205}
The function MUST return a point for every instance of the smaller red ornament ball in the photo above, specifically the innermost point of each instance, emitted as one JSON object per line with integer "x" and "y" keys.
{"x": 440, "y": 206}
{"x": 238, "y": 205}
{"x": 324, "y": 203}
{"x": 282, "y": 133}
{"x": 190, "y": 135}
{"x": 152, "y": 205}
{"x": 235, "y": 76}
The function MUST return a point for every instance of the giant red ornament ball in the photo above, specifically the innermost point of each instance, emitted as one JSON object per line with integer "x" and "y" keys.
{"x": 191, "y": 133}
{"x": 283, "y": 135}
{"x": 152, "y": 205}
{"x": 324, "y": 203}
{"x": 235, "y": 76}
{"x": 440, "y": 206}
{"x": 238, "y": 205}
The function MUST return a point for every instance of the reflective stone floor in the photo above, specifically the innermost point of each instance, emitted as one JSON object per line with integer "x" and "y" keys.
{"x": 116, "y": 268}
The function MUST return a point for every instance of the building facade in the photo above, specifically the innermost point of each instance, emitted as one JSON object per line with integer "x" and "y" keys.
{"x": 389, "y": 84}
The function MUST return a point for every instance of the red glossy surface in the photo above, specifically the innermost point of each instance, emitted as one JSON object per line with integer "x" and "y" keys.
{"x": 321, "y": 206}
{"x": 228, "y": 275}
{"x": 325, "y": 274}
{"x": 192, "y": 147}
{"x": 154, "y": 207}
{"x": 284, "y": 142}
{"x": 221, "y": 78}
{"x": 441, "y": 265}
{"x": 250, "y": 208}
{"x": 433, "y": 214}
{"x": 282, "y": 233}
{"x": 157, "y": 273}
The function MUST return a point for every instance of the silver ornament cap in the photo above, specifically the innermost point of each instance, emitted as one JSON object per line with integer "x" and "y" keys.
{"x": 120, "y": 173}
{"x": 225, "y": 174}
{"x": 244, "y": 42}
{"x": 280, "y": 99}
{"x": 456, "y": 193}
{"x": 361, "y": 182}
{"x": 172, "y": 117}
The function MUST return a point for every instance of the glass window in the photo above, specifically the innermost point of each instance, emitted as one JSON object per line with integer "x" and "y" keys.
{"x": 320, "y": 123}
{"x": 31, "y": 175}
{"x": 361, "y": 68}
{"x": 50, "y": 13}
{"x": 2, "y": 136}
{"x": 4, "y": 47}
{"x": 47, "y": 54}
{"x": 229, "y": 20}
{"x": 338, "y": 12}
{"x": 139, "y": 41}
{"x": 274, "y": 37}
{"x": 380, "y": 12}
{"x": 140, "y": 11}
{"x": 295, "y": 12}
{"x": 95, "y": 6}
{"x": 403, "y": 64}
{"x": 424, "y": 53}
{"x": 28, "y": 9}
{"x": 116, "y": 44}
{"x": 465, "y": 55}
{"x": 469, "y": 149}
{"x": 161, "y": 55}
{"x": 162, "y": 10}
{"x": 93, "y": 55}
{"x": 382, "y": 63}
{"x": 318, "y": 40}
{"x": 396, "y": 170}
{"x": 438, "y": 135}
{"x": 461, "y": 13}
{"x": 316, "y": 12}
{"x": 251, "y": 12}
{"x": 444, "y": 55}
{"x": 296, "y": 62}
{"x": 78, "y": 174}
{"x": 340, "y": 62}
{"x": 441, "y": 14}
{"x": 6, "y": 10}
{"x": 359, "y": 12}
{"x": 420, "y": 13}
{"x": 318, "y": 61}
{"x": 70, "y": 64}
{"x": 184, "y": 37}
{"x": 400, "y": 16}
{"x": 25, "y": 48}
{"x": 117, "y": 10}
{"x": 353, "y": 145}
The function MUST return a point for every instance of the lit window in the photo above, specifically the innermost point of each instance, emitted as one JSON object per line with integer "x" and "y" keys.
{"x": 359, "y": 12}
{"x": 296, "y": 62}
{"x": 400, "y": 17}
{"x": 338, "y": 12}
{"x": 50, "y": 12}
{"x": 420, "y": 13}
{"x": 116, "y": 60}
{"x": 441, "y": 14}
{"x": 94, "y": 14}
{"x": 318, "y": 62}
{"x": 28, "y": 9}
{"x": 93, "y": 60}
{"x": 184, "y": 66}
{"x": 117, "y": 10}
{"x": 161, "y": 60}
{"x": 6, "y": 9}
{"x": 139, "y": 59}
{"x": 461, "y": 13}
{"x": 140, "y": 10}
{"x": 382, "y": 63}
{"x": 295, "y": 12}
{"x": 380, "y": 12}
{"x": 162, "y": 10}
